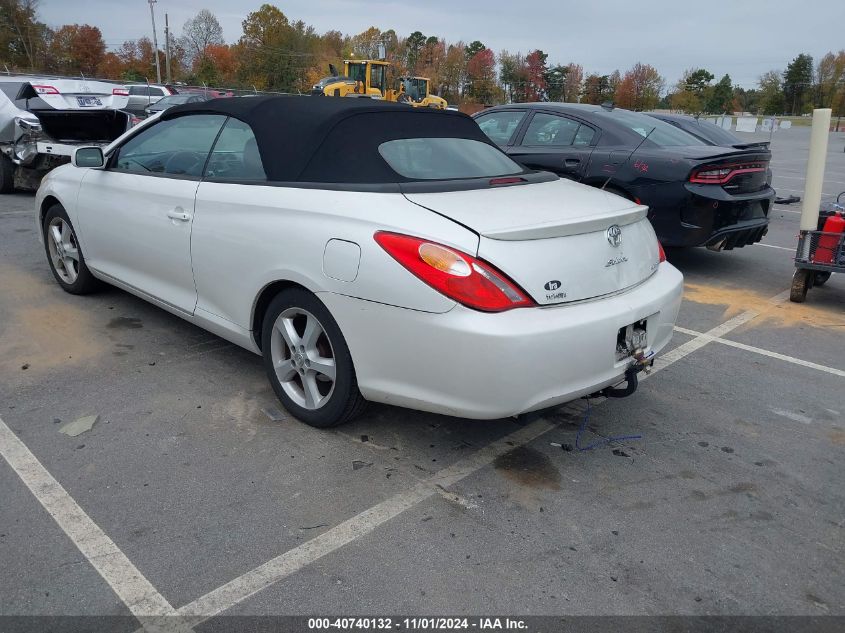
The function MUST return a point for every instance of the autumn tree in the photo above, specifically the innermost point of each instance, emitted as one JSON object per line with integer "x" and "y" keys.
{"x": 453, "y": 72}
{"x": 481, "y": 76}
{"x": 830, "y": 73}
{"x": 535, "y": 77}
{"x": 76, "y": 48}
{"x": 640, "y": 88}
{"x": 275, "y": 54}
{"x": 23, "y": 38}
{"x": 573, "y": 81}
{"x": 198, "y": 33}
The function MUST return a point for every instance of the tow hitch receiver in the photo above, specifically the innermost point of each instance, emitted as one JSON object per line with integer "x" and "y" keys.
{"x": 642, "y": 362}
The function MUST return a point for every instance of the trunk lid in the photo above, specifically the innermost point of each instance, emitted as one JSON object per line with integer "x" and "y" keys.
{"x": 83, "y": 126}
{"x": 554, "y": 239}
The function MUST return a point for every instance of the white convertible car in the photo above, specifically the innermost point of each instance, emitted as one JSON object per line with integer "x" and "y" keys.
{"x": 369, "y": 251}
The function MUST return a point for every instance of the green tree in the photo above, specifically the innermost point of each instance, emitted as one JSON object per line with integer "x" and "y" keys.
{"x": 771, "y": 93}
{"x": 798, "y": 84}
{"x": 414, "y": 45}
{"x": 721, "y": 98}
{"x": 472, "y": 49}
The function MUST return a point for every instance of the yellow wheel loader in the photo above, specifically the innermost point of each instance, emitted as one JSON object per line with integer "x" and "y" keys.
{"x": 368, "y": 78}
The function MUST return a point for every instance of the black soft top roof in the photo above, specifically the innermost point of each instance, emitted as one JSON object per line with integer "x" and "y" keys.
{"x": 332, "y": 139}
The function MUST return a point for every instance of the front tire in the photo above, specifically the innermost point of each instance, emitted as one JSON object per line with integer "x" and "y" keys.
{"x": 308, "y": 362}
{"x": 65, "y": 255}
{"x": 800, "y": 285}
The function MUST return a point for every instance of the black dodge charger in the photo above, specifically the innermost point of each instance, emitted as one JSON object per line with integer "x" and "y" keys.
{"x": 698, "y": 194}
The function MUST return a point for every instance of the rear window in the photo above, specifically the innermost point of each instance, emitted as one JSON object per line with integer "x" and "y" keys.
{"x": 658, "y": 132}
{"x": 446, "y": 158}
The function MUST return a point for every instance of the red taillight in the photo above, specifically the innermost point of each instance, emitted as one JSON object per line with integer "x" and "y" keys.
{"x": 120, "y": 92}
{"x": 720, "y": 174}
{"x": 661, "y": 253}
{"x": 45, "y": 90}
{"x": 461, "y": 277}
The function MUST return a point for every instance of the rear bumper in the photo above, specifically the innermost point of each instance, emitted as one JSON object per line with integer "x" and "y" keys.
{"x": 707, "y": 215}
{"x": 486, "y": 366}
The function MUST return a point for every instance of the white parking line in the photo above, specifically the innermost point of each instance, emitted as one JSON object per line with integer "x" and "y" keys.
{"x": 702, "y": 339}
{"x": 763, "y": 352}
{"x": 117, "y": 570}
{"x": 783, "y": 248}
{"x": 282, "y": 566}
{"x": 352, "y": 529}
{"x": 144, "y": 600}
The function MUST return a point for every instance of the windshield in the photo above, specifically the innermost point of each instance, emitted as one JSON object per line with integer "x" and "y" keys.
{"x": 658, "y": 132}
{"x": 172, "y": 100}
{"x": 446, "y": 158}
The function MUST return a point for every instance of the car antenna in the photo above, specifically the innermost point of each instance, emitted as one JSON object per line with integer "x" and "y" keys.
{"x": 629, "y": 156}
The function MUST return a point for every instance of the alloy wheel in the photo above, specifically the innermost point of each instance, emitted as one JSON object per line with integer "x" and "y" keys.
{"x": 64, "y": 250}
{"x": 303, "y": 358}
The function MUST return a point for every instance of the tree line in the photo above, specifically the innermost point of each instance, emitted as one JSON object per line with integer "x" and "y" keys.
{"x": 276, "y": 53}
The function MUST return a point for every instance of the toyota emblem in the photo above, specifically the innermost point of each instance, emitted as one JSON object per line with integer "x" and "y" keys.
{"x": 614, "y": 235}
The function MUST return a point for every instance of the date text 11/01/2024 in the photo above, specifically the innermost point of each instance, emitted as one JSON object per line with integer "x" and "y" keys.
{"x": 417, "y": 624}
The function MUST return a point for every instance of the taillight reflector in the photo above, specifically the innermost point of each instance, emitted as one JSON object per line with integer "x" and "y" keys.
{"x": 461, "y": 277}
{"x": 661, "y": 252}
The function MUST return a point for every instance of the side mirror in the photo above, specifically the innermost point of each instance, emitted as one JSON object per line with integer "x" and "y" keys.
{"x": 88, "y": 157}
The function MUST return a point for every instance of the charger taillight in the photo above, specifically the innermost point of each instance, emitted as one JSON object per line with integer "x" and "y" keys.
{"x": 461, "y": 277}
{"x": 721, "y": 174}
{"x": 120, "y": 92}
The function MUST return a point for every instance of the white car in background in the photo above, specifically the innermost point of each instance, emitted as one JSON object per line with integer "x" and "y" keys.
{"x": 368, "y": 251}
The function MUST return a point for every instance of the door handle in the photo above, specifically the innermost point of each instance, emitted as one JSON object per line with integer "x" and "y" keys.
{"x": 179, "y": 214}
{"x": 572, "y": 162}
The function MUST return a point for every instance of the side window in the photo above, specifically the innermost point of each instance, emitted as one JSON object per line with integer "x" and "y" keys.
{"x": 157, "y": 92}
{"x": 235, "y": 155}
{"x": 137, "y": 90}
{"x": 177, "y": 147}
{"x": 500, "y": 126}
{"x": 550, "y": 130}
{"x": 584, "y": 136}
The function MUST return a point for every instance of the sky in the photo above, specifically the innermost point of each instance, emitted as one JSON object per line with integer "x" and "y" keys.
{"x": 744, "y": 38}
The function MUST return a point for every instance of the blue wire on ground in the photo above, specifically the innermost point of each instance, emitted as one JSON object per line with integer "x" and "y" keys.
{"x": 601, "y": 442}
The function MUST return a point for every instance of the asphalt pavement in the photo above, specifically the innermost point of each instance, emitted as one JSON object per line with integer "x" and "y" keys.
{"x": 186, "y": 497}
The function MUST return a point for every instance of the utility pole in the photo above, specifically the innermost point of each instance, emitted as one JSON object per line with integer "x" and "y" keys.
{"x": 166, "y": 48}
{"x": 155, "y": 40}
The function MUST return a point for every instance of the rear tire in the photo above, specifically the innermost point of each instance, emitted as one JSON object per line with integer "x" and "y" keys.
{"x": 64, "y": 254}
{"x": 7, "y": 174}
{"x": 800, "y": 285}
{"x": 820, "y": 279}
{"x": 308, "y": 362}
